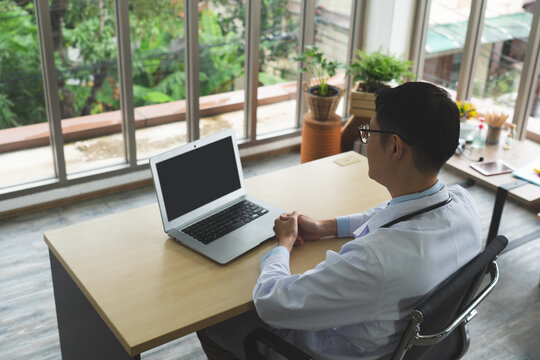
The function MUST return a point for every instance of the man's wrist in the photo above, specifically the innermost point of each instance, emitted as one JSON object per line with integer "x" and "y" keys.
{"x": 328, "y": 227}
{"x": 287, "y": 242}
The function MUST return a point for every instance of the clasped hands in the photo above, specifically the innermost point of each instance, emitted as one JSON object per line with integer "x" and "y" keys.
{"x": 294, "y": 228}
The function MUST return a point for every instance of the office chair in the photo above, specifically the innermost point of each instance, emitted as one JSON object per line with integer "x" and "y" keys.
{"x": 437, "y": 327}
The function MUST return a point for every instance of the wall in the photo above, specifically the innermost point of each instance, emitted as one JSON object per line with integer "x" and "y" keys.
{"x": 389, "y": 26}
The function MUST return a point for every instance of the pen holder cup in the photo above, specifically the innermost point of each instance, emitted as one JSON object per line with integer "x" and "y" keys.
{"x": 493, "y": 135}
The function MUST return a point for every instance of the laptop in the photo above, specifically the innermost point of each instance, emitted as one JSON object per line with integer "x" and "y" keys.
{"x": 203, "y": 201}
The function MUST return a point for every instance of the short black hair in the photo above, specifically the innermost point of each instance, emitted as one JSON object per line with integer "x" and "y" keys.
{"x": 426, "y": 116}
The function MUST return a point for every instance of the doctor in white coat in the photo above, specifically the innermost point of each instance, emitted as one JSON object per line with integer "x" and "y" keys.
{"x": 354, "y": 304}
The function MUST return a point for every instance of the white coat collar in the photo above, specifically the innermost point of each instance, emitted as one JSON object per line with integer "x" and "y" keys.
{"x": 398, "y": 210}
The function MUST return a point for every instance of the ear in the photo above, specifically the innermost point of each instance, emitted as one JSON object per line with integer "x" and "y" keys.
{"x": 397, "y": 147}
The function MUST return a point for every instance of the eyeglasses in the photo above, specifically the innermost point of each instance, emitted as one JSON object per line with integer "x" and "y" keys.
{"x": 364, "y": 131}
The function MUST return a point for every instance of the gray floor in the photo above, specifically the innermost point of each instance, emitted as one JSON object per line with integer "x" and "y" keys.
{"x": 507, "y": 326}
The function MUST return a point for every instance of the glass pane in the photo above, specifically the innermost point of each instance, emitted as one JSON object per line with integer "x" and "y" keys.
{"x": 445, "y": 40}
{"x": 332, "y": 22}
{"x": 533, "y": 123}
{"x": 536, "y": 104}
{"x": 159, "y": 91}
{"x": 85, "y": 49}
{"x": 24, "y": 133}
{"x": 221, "y": 66}
{"x": 498, "y": 67}
{"x": 276, "y": 94}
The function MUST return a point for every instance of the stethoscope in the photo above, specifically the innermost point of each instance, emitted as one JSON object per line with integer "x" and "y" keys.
{"x": 416, "y": 213}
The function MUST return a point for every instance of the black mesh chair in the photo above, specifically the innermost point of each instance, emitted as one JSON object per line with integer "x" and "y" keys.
{"x": 437, "y": 328}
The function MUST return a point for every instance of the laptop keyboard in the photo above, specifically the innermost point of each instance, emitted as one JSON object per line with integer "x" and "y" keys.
{"x": 224, "y": 222}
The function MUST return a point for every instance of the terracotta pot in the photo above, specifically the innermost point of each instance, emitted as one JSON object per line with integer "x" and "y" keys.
{"x": 320, "y": 139}
{"x": 322, "y": 107}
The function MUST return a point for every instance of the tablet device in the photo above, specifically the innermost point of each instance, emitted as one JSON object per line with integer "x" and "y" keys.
{"x": 492, "y": 167}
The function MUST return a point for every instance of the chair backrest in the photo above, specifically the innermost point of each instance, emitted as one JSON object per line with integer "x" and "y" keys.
{"x": 450, "y": 300}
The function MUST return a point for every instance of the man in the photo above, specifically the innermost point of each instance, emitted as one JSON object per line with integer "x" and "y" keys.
{"x": 354, "y": 305}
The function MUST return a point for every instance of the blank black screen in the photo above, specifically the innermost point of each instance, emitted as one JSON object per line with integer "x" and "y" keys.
{"x": 198, "y": 177}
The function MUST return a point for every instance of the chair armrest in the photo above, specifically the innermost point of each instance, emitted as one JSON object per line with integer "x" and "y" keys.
{"x": 272, "y": 341}
{"x": 466, "y": 316}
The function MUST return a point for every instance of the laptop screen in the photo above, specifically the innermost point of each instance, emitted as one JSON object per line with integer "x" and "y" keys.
{"x": 197, "y": 177}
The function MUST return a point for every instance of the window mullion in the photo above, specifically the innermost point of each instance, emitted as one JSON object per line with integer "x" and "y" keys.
{"x": 126, "y": 81}
{"x": 356, "y": 40}
{"x": 191, "y": 41}
{"x": 251, "y": 67}
{"x": 307, "y": 30}
{"x": 418, "y": 42}
{"x": 50, "y": 87}
{"x": 529, "y": 77}
{"x": 471, "y": 49}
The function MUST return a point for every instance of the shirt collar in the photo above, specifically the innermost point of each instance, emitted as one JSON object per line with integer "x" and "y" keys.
{"x": 432, "y": 190}
{"x": 403, "y": 208}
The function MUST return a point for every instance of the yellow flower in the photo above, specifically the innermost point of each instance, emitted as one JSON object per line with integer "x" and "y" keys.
{"x": 466, "y": 110}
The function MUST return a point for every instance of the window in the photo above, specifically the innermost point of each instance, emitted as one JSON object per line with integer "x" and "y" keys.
{"x": 159, "y": 82}
{"x": 85, "y": 54}
{"x": 498, "y": 67}
{"x": 22, "y": 103}
{"x": 221, "y": 66}
{"x": 445, "y": 41}
{"x": 536, "y": 102}
{"x": 533, "y": 125}
{"x": 278, "y": 72}
{"x": 496, "y": 58}
{"x": 107, "y": 119}
{"x": 332, "y": 22}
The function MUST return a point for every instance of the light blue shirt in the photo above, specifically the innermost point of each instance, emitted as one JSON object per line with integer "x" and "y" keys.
{"x": 432, "y": 190}
{"x": 343, "y": 222}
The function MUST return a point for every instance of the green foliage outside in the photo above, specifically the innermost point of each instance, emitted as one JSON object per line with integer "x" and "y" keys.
{"x": 501, "y": 84}
{"x": 278, "y": 35}
{"x": 221, "y": 55}
{"x": 85, "y": 48}
{"x": 20, "y": 68}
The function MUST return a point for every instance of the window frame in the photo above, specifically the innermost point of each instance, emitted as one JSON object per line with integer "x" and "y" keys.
{"x": 132, "y": 163}
{"x": 531, "y": 63}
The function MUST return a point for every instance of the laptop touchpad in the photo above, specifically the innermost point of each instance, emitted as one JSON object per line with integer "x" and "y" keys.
{"x": 253, "y": 232}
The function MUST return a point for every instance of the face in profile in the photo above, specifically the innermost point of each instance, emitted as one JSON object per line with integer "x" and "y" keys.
{"x": 374, "y": 151}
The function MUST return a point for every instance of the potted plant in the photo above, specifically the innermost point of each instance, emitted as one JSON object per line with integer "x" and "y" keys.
{"x": 322, "y": 98}
{"x": 321, "y": 128}
{"x": 370, "y": 72}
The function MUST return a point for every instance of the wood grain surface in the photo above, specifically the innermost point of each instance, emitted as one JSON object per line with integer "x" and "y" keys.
{"x": 522, "y": 153}
{"x": 150, "y": 290}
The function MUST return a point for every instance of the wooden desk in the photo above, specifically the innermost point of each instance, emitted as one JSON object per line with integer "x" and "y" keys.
{"x": 522, "y": 153}
{"x": 122, "y": 286}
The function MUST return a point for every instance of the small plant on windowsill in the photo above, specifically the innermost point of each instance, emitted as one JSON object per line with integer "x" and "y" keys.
{"x": 322, "y": 98}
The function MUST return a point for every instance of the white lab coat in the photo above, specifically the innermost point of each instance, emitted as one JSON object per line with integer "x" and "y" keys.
{"x": 354, "y": 305}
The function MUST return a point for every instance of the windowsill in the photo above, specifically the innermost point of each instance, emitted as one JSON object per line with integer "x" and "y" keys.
{"x": 100, "y": 187}
{"x": 89, "y": 126}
